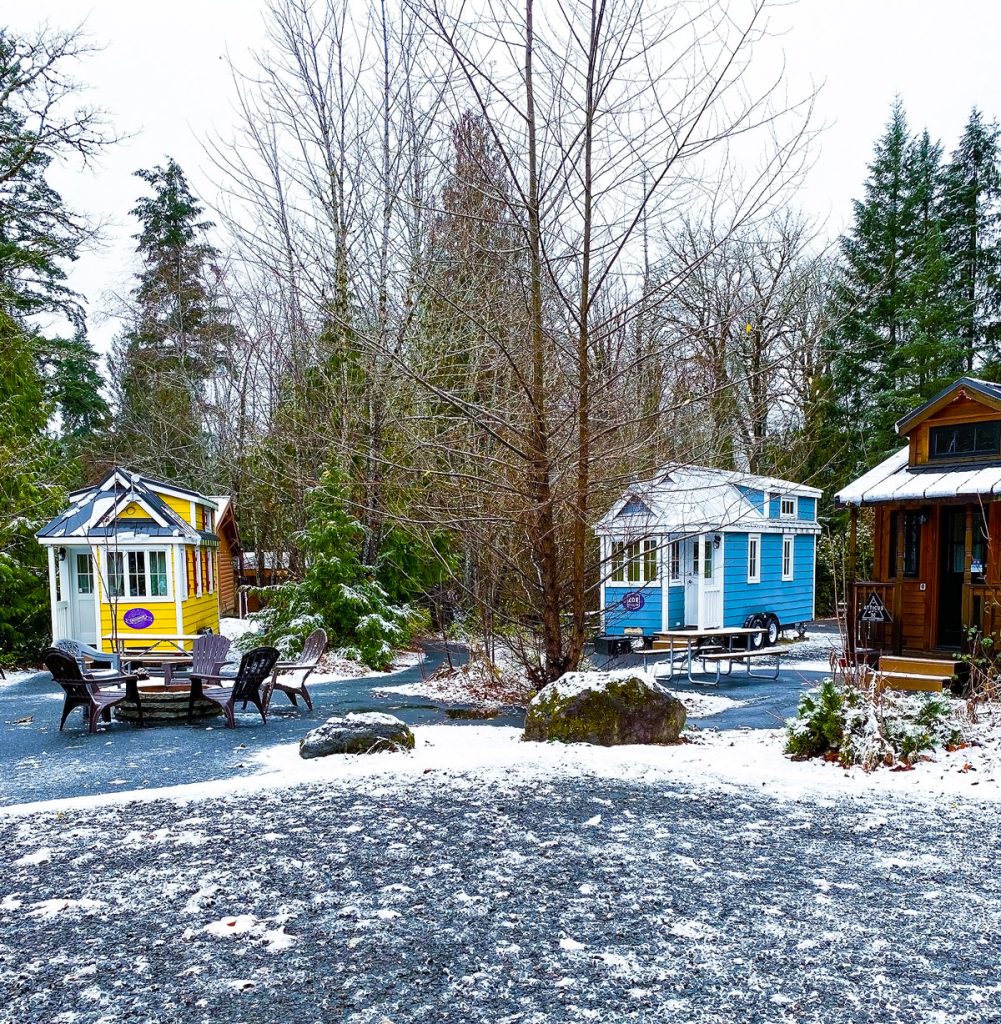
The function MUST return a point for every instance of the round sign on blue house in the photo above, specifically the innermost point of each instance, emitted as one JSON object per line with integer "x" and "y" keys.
{"x": 633, "y": 601}
{"x": 138, "y": 618}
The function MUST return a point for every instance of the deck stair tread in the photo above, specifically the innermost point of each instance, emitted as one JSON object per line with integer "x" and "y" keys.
{"x": 918, "y": 666}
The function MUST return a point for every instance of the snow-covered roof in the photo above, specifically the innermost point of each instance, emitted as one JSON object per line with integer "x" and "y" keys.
{"x": 894, "y": 480}
{"x": 93, "y": 512}
{"x": 692, "y": 499}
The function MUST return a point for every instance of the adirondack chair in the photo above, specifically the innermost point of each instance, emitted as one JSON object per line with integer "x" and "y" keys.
{"x": 83, "y": 653}
{"x": 96, "y": 695}
{"x": 247, "y": 685}
{"x": 290, "y": 677}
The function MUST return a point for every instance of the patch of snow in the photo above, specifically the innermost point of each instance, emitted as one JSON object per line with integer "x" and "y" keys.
{"x": 42, "y": 856}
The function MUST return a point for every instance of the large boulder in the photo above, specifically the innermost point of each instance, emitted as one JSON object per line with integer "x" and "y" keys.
{"x": 357, "y": 734}
{"x": 605, "y": 708}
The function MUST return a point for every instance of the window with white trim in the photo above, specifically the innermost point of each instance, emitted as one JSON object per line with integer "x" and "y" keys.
{"x": 675, "y": 562}
{"x": 635, "y": 562}
{"x": 787, "y": 557}
{"x": 137, "y": 573}
{"x": 754, "y": 558}
{"x": 787, "y": 508}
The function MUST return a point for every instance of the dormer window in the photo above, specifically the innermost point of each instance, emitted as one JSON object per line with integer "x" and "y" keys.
{"x": 965, "y": 440}
{"x": 787, "y": 508}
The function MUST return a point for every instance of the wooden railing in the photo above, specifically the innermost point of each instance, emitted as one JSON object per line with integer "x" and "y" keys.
{"x": 985, "y": 608}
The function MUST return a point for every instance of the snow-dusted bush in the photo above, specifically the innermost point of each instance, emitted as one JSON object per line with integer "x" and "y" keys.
{"x": 338, "y": 592}
{"x": 868, "y": 726}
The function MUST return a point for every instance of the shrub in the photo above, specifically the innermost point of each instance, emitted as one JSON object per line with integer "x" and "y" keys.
{"x": 866, "y": 726}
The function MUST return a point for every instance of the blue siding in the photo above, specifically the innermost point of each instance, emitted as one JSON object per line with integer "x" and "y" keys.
{"x": 755, "y": 497}
{"x": 648, "y": 618}
{"x": 791, "y": 601}
{"x": 773, "y": 507}
{"x": 675, "y": 607}
{"x": 808, "y": 509}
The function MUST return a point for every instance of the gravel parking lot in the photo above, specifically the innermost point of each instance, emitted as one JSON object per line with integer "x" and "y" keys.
{"x": 466, "y": 896}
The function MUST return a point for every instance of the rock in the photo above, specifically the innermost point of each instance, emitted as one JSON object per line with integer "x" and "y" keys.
{"x": 605, "y": 708}
{"x": 356, "y": 734}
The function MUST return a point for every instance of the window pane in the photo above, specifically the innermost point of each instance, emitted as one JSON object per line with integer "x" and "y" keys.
{"x": 708, "y": 566}
{"x": 617, "y": 563}
{"x": 633, "y": 555}
{"x": 675, "y": 560}
{"x": 116, "y": 574}
{"x": 649, "y": 561}
{"x": 158, "y": 573}
{"x": 965, "y": 439}
{"x": 84, "y": 574}
{"x": 137, "y": 573}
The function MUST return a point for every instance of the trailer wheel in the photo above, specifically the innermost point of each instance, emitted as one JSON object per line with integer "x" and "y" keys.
{"x": 755, "y": 641}
{"x": 773, "y": 629}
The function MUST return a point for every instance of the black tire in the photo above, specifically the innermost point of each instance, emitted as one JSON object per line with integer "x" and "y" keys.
{"x": 755, "y": 641}
{"x": 773, "y": 629}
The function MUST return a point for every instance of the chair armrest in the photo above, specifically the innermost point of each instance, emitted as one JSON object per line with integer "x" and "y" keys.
{"x": 213, "y": 676}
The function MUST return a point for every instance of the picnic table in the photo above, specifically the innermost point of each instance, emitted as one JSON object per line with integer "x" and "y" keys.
{"x": 715, "y": 646}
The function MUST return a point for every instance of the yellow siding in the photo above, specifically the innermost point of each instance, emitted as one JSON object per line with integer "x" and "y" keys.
{"x": 200, "y": 612}
{"x": 164, "y": 620}
{"x": 181, "y": 506}
{"x": 133, "y": 509}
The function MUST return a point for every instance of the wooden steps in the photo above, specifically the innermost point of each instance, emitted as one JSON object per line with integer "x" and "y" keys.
{"x": 925, "y": 675}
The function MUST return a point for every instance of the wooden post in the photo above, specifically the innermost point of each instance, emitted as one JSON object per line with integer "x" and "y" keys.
{"x": 967, "y": 575}
{"x": 898, "y": 583}
{"x": 850, "y": 596}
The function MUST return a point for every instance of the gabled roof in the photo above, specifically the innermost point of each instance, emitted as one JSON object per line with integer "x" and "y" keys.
{"x": 693, "y": 499}
{"x": 894, "y": 480}
{"x": 983, "y": 390}
{"x": 94, "y": 510}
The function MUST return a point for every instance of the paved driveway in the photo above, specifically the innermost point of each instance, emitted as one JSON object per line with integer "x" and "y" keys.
{"x": 40, "y": 763}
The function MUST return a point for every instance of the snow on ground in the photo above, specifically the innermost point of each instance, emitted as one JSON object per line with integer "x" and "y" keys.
{"x": 812, "y": 654}
{"x": 333, "y": 665}
{"x": 482, "y": 879}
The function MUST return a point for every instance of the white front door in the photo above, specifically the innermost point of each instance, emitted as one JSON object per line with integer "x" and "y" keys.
{"x": 711, "y": 611}
{"x": 690, "y": 576}
{"x": 83, "y": 606}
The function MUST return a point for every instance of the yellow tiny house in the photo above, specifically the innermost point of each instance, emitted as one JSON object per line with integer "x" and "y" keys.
{"x": 134, "y": 562}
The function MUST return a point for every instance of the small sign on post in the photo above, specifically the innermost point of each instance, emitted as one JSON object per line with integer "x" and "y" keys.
{"x": 874, "y": 610}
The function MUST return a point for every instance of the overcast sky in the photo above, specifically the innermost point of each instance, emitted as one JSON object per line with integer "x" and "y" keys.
{"x": 163, "y": 76}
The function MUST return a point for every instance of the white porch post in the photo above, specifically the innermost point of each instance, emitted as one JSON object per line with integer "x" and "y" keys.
{"x": 700, "y": 547}
{"x": 603, "y": 570}
{"x": 52, "y": 592}
{"x": 664, "y": 568}
{"x": 180, "y": 581}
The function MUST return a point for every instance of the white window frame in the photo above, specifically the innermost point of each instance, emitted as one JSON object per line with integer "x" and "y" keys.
{"x": 210, "y": 561}
{"x": 674, "y": 562}
{"x": 788, "y": 545}
{"x": 794, "y": 501}
{"x": 630, "y": 562}
{"x": 754, "y": 565}
{"x": 127, "y": 594}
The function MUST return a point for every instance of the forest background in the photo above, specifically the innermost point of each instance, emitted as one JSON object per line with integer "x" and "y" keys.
{"x": 462, "y": 280}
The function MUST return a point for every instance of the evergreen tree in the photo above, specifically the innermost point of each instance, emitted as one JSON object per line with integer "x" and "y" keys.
{"x": 895, "y": 334}
{"x": 178, "y": 340}
{"x": 973, "y": 217}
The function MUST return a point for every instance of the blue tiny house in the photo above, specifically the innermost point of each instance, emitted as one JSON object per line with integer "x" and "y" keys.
{"x": 708, "y": 549}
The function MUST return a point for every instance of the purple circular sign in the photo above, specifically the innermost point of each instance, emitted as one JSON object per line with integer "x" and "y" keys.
{"x": 633, "y": 601}
{"x": 138, "y": 618}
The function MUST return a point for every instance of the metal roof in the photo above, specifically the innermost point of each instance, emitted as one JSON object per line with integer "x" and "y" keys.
{"x": 94, "y": 510}
{"x": 986, "y": 388}
{"x": 894, "y": 480}
{"x": 692, "y": 499}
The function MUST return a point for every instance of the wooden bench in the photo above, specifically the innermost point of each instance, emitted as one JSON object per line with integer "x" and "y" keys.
{"x": 727, "y": 658}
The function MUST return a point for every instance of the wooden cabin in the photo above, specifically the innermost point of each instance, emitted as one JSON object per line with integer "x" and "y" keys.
{"x": 135, "y": 563}
{"x": 706, "y": 548}
{"x": 936, "y": 573}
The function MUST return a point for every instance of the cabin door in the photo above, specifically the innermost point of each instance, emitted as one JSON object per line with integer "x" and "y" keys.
{"x": 711, "y": 616}
{"x": 83, "y": 608}
{"x": 952, "y": 563}
{"x": 690, "y": 575}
